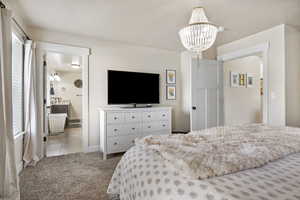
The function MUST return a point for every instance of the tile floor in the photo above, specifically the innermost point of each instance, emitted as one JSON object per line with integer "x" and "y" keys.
{"x": 65, "y": 143}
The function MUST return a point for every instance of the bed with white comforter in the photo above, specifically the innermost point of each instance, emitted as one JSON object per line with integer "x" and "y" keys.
{"x": 162, "y": 168}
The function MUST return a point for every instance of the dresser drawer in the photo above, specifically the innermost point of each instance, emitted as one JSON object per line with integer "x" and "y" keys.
{"x": 115, "y": 118}
{"x": 115, "y": 130}
{"x": 150, "y": 126}
{"x": 149, "y": 116}
{"x": 133, "y": 129}
{"x": 115, "y": 144}
{"x": 161, "y": 132}
{"x": 120, "y": 144}
{"x": 163, "y": 115}
{"x": 133, "y": 117}
{"x": 163, "y": 125}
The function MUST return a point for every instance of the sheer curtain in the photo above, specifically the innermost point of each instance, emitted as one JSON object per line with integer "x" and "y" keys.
{"x": 9, "y": 187}
{"x": 33, "y": 141}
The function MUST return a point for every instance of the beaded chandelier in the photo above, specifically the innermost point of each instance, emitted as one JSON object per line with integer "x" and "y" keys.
{"x": 200, "y": 34}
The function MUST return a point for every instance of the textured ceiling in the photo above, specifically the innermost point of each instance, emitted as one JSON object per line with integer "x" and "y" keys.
{"x": 156, "y": 22}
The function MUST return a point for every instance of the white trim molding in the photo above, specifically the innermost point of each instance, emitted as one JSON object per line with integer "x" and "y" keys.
{"x": 44, "y": 47}
{"x": 263, "y": 50}
{"x": 60, "y": 48}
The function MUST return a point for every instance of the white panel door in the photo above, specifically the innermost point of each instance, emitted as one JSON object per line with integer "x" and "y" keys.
{"x": 207, "y": 94}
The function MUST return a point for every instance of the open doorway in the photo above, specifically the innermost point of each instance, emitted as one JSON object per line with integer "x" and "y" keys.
{"x": 243, "y": 90}
{"x": 63, "y": 93}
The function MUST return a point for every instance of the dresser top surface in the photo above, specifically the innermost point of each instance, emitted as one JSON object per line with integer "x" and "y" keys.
{"x": 120, "y": 109}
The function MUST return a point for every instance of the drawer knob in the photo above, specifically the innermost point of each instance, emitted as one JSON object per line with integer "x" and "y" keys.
{"x": 149, "y": 116}
{"x": 164, "y": 125}
{"x": 115, "y": 143}
{"x": 149, "y": 126}
{"x": 133, "y": 128}
{"x": 115, "y": 129}
{"x": 133, "y": 117}
{"x": 163, "y": 115}
{"x": 115, "y": 118}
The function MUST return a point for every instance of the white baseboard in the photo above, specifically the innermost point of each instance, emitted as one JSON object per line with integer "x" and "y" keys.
{"x": 94, "y": 148}
{"x": 19, "y": 167}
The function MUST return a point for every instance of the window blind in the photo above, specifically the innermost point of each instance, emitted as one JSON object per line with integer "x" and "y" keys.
{"x": 17, "y": 84}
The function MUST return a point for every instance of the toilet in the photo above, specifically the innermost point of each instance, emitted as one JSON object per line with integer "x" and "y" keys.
{"x": 57, "y": 122}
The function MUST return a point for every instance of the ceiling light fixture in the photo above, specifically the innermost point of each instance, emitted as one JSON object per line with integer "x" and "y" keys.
{"x": 75, "y": 66}
{"x": 200, "y": 34}
{"x": 56, "y": 77}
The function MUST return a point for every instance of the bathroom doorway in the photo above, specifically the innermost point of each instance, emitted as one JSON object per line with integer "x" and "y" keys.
{"x": 63, "y": 92}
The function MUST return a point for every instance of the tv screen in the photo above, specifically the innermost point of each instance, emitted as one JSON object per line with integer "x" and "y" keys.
{"x": 132, "y": 88}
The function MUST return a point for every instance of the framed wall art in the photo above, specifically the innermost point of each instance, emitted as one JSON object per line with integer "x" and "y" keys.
{"x": 242, "y": 80}
{"x": 234, "y": 79}
{"x": 171, "y": 92}
{"x": 250, "y": 80}
{"x": 171, "y": 76}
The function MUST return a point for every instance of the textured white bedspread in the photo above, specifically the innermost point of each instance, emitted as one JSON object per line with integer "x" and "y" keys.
{"x": 142, "y": 174}
{"x": 224, "y": 150}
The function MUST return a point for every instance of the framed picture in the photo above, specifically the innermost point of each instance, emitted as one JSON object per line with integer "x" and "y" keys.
{"x": 171, "y": 92}
{"x": 234, "y": 79}
{"x": 250, "y": 80}
{"x": 171, "y": 76}
{"x": 242, "y": 80}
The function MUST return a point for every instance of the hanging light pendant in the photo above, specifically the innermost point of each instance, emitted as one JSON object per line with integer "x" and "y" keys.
{"x": 200, "y": 34}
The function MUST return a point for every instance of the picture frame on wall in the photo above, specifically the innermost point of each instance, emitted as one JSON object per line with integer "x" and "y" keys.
{"x": 171, "y": 76}
{"x": 171, "y": 92}
{"x": 234, "y": 79}
{"x": 242, "y": 80}
{"x": 250, "y": 80}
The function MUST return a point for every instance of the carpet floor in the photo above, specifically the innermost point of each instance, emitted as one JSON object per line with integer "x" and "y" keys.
{"x": 68, "y": 177}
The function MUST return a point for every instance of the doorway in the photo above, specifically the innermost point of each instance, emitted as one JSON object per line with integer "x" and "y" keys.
{"x": 63, "y": 103}
{"x": 206, "y": 94}
{"x": 82, "y": 54}
{"x": 260, "y": 53}
{"x": 243, "y": 90}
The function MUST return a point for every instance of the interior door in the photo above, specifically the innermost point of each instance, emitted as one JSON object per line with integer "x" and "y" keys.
{"x": 206, "y": 94}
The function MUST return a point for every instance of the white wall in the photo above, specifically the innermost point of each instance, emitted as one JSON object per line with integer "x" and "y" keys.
{"x": 276, "y": 72}
{"x": 17, "y": 14}
{"x": 292, "y": 76}
{"x": 67, "y": 91}
{"x": 119, "y": 56}
{"x": 242, "y": 105}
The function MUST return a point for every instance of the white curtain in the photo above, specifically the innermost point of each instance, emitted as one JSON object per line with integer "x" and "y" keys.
{"x": 33, "y": 141}
{"x": 9, "y": 187}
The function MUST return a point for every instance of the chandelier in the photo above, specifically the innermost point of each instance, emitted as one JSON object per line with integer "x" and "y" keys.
{"x": 200, "y": 34}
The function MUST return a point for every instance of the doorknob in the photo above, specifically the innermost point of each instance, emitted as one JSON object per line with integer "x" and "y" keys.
{"x": 194, "y": 108}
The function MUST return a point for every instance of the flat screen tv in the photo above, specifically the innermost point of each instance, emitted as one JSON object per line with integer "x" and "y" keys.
{"x": 132, "y": 87}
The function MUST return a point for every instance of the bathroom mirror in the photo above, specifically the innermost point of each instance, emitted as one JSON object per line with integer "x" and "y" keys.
{"x": 78, "y": 83}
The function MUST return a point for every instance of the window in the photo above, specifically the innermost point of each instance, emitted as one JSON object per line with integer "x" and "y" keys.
{"x": 17, "y": 84}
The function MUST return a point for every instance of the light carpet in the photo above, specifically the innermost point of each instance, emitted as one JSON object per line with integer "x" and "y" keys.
{"x": 75, "y": 176}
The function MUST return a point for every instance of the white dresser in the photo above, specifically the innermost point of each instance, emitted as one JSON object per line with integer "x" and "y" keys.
{"x": 119, "y": 127}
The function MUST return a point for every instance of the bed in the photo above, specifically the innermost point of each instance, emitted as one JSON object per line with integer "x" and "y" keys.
{"x": 143, "y": 173}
